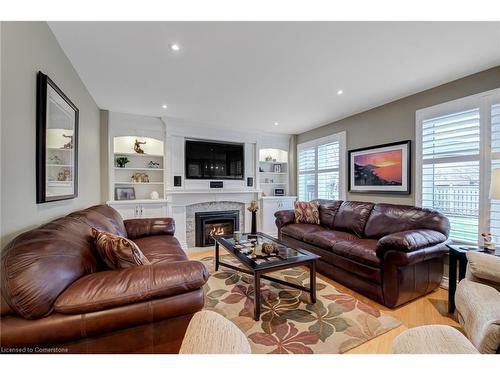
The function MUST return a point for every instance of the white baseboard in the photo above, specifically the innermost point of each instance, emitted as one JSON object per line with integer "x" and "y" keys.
{"x": 445, "y": 282}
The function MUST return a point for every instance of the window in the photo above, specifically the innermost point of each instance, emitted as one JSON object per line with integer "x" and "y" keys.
{"x": 458, "y": 144}
{"x": 321, "y": 168}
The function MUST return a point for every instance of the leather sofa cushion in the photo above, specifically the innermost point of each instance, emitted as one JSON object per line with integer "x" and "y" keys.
{"x": 359, "y": 250}
{"x": 299, "y": 230}
{"x": 137, "y": 228}
{"x": 109, "y": 289}
{"x": 326, "y": 238}
{"x": 352, "y": 217}
{"x": 161, "y": 249}
{"x": 327, "y": 211}
{"x": 61, "y": 328}
{"x": 102, "y": 217}
{"x": 39, "y": 264}
{"x": 391, "y": 218}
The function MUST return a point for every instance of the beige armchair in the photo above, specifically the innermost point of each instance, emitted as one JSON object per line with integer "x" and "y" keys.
{"x": 478, "y": 310}
{"x": 478, "y": 302}
{"x": 211, "y": 333}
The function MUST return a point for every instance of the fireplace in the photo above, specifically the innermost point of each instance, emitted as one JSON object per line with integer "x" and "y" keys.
{"x": 215, "y": 223}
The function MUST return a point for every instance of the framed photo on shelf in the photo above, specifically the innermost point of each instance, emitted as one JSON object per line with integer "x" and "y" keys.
{"x": 124, "y": 193}
{"x": 277, "y": 168}
{"x": 381, "y": 169}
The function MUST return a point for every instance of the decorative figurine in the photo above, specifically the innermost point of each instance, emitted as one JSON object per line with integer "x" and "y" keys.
{"x": 269, "y": 248}
{"x": 144, "y": 177}
{"x": 68, "y": 145}
{"x": 55, "y": 160}
{"x": 153, "y": 164}
{"x": 122, "y": 161}
{"x": 253, "y": 208}
{"x": 487, "y": 241}
{"x": 137, "y": 147}
{"x": 154, "y": 195}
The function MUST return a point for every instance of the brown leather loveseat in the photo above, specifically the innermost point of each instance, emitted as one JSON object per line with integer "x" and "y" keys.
{"x": 390, "y": 253}
{"x": 58, "y": 296}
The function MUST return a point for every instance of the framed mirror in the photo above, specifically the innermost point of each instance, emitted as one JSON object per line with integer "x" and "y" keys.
{"x": 57, "y": 143}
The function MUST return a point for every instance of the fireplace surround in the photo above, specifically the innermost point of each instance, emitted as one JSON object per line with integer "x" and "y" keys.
{"x": 215, "y": 222}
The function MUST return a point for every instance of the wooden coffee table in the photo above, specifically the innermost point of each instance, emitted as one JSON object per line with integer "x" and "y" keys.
{"x": 257, "y": 267}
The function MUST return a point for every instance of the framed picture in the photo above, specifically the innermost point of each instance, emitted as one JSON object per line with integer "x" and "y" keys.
{"x": 56, "y": 143}
{"x": 381, "y": 169}
{"x": 277, "y": 168}
{"x": 124, "y": 193}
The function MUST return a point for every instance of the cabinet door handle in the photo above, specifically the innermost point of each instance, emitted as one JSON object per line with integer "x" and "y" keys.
{"x": 142, "y": 210}
{"x": 136, "y": 211}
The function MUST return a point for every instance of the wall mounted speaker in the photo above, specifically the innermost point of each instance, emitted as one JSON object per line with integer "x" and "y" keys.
{"x": 249, "y": 181}
{"x": 216, "y": 184}
{"x": 177, "y": 181}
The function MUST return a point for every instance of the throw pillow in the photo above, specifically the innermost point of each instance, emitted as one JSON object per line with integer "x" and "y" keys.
{"x": 118, "y": 252}
{"x": 306, "y": 212}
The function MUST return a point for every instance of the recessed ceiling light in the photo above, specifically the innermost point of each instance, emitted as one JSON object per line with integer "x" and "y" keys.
{"x": 164, "y": 106}
{"x": 175, "y": 47}
{"x": 276, "y": 123}
{"x": 340, "y": 92}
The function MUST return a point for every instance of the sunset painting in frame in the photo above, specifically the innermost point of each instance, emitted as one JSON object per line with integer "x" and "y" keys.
{"x": 380, "y": 169}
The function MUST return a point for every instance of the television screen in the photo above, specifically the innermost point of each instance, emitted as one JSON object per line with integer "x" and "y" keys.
{"x": 214, "y": 160}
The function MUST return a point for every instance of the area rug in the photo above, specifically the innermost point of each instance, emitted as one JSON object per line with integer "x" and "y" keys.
{"x": 289, "y": 323}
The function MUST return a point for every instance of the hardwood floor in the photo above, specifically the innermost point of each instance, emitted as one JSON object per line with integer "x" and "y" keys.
{"x": 431, "y": 309}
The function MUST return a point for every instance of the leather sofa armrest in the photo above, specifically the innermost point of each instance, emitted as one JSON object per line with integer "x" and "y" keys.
{"x": 109, "y": 289}
{"x": 137, "y": 228}
{"x": 410, "y": 240}
{"x": 284, "y": 217}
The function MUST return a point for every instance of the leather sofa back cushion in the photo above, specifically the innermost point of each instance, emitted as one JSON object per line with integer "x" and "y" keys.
{"x": 391, "y": 218}
{"x": 41, "y": 263}
{"x": 306, "y": 213}
{"x": 117, "y": 251}
{"x": 352, "y": 217}
{"x": 327, "y": 211}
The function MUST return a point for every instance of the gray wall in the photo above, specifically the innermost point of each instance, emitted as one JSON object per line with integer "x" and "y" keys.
{"x": 26, "y": 48}
{"x": 395, "y": 121}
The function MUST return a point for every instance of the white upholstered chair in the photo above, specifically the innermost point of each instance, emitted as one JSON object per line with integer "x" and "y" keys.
{"x": 478, "y": 310}
{"x": 211, "y": 333}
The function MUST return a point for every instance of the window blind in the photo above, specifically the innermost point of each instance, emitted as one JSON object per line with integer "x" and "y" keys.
{"x": 451, "y": 170}
{"x": 319, "y": 168}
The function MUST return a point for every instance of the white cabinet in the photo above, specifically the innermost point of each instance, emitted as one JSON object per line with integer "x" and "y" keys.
{"x": 268, "y": 206}
{"x": 140, "y": 210}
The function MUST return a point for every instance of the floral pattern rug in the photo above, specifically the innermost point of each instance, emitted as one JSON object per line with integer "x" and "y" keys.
{"x": 289, "y": 323}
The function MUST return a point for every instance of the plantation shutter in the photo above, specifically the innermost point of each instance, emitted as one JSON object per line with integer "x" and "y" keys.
{"x": 451, "y": 170}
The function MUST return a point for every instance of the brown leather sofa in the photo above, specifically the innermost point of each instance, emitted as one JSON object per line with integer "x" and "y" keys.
{"x": 58, "y": 296}
{"x": 390, "y": 253}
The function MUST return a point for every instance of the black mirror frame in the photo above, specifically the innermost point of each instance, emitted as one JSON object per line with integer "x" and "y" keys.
{"x": 41, "y": 131}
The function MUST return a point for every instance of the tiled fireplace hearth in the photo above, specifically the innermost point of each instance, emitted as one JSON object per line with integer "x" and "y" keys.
{"x": 214, "y": 223}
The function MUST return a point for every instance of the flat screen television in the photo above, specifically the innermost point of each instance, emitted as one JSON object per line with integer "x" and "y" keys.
{"x": 214, "y": 160}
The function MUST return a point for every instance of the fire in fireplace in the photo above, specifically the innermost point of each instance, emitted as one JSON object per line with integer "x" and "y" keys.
{"x": 214, "y": 223}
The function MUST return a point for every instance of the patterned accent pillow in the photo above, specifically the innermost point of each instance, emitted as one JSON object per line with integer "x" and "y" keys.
{"x": 118, "y": 252}
{"x": 306, "y": 212}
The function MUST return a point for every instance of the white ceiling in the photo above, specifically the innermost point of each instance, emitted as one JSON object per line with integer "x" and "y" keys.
{"x": 247, "y": 75}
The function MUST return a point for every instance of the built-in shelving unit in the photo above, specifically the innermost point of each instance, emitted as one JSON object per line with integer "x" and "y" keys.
{"x": 150, "y": 178}
{"x": 273, "y": 170}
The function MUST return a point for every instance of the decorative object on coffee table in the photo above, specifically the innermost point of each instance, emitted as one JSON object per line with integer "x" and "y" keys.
{"x": 253, "y": 208}
{"x": 288, "y": 258}
{"x": 122, "y": 161}
{"x": 381, "y": 169}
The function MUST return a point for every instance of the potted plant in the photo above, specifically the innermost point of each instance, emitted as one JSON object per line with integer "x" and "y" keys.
{"x": 122, "y": 161}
